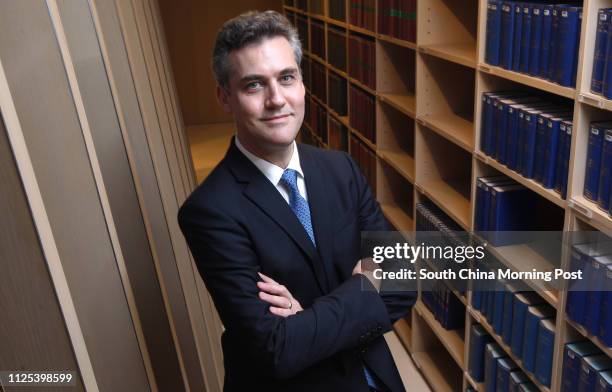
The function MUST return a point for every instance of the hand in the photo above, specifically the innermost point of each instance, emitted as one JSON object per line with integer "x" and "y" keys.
{"x": 366, "y": 267}
{"x": 277, "y": 295}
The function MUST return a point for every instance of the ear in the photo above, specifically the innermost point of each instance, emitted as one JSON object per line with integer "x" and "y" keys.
{"x": 223, "y": 99}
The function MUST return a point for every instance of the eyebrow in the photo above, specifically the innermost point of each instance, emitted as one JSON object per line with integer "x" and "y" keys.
{"x": 249, "y": 78}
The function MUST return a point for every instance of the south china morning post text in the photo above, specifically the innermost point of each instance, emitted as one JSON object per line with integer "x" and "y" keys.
{"x": 436, "y": 258}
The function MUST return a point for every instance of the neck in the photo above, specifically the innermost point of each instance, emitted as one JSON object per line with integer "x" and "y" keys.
{"x": 279, "y": 157}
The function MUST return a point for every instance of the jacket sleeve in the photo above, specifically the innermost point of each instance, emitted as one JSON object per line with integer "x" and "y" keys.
{"x": 346, "y": 318}
{"x": 371, "y": 218}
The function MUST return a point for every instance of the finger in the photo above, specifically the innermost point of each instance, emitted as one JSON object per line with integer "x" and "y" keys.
{"x": 266, "y": 278}
{"x": 275, "y": 300}
{"x": 280, "y": 311}
{"x": 274, "y": 288}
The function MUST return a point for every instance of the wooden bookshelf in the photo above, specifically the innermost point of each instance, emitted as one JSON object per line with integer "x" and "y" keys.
{"x": 479, "y": 386}
{"x": 461, "y": 53}
{"x": 452, "y": 340}
{"x": 428, "y": 113}
{"x": 604, "y": 349}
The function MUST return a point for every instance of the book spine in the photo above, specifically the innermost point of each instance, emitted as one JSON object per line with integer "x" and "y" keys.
{"x": 599, "y": 56}
{"x": 554, "y": 41}
{"x": 567, "y": 46}
{"x": 544, "y": 354}
{"x": 507, "y": 318}
{"x": 540, "y": 149}
{"x": 536, "y": 39}
{"x": 483, "y": 120}
{"x": 594, "y": 296}
{"x": 519, "y": 141}
{"x": 550, "y": 153}
{"x": 605, "y": 172}
{"x": 605, "y": 327}
{"x": 560, "y": 158}
{"x": 526, "y": 38}
{"x": 517, "y": 40}
{"x": 512, "y": 137}
{"x": 547, "y": 11}
{"x": 500, "y": 149}
{"x": 507, "y": 35}
{"x": 591, "y": 178}
{"x": 530, "y": 338}
{"x": 529, "y": 142}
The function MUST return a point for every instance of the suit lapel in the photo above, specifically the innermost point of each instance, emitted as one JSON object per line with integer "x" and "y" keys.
{"x": 318, "y": 200}
{"x": 263, "y": 194}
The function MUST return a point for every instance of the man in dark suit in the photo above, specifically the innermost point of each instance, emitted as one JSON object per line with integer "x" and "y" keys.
{"x": 275, "y": 232}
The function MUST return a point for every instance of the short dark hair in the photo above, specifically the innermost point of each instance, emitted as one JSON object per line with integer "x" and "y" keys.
{"x": 248, "y": 28}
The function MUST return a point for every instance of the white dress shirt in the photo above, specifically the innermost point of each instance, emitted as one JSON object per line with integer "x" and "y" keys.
{"x": 274, "y": 173}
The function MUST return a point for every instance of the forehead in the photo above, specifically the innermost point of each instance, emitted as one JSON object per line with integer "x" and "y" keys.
{"x": 267, "y": 57}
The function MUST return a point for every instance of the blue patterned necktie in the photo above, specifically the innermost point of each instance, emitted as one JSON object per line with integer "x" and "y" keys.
{"x": 298, "y": 204}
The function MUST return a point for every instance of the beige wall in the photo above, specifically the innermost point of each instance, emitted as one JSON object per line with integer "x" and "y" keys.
{"x": 191, "y": 26}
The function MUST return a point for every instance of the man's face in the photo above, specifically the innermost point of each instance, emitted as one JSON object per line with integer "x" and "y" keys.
{"x": 266, "y": 95}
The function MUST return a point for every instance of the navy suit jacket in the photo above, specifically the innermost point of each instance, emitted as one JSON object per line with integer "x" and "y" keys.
{"x": 237, "y": 224}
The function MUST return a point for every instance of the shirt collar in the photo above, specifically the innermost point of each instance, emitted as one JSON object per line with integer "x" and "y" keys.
{"x": 272, "y": 172}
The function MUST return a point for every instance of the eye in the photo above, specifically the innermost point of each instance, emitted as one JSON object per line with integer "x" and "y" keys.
{"x": 253, "y": 85}
{"x": 287, "y": 79}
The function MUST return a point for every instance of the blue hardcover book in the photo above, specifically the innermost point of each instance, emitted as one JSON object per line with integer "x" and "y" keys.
{"x": 486, "y": 203}
{"x": 479, "y": 338}
{"x": 493, "y": 352}
{"x": 528, "y": 140}
{"x": 507, "y": 35}
{"x": 604, "y": 381}
{"x": 484, "y": 119}
{"x": 597, "y": 284}
{"x": 599, "y": 57}
{"x": 504, "y": 367}
{"x": 567, "y": 45}
{"x": 572, "y": 357}
{"x": 554, "y": 41}
{"x": 593, "y": 164}
{"x": 541, "y": 142}
{"x": 578, "y": 290}
{"x": 606, "y": 88}
{"x": 605, "y": 325}
{"x": 517, "y": 378}
{"x": 544, "y": 352}
{"x": 491, "y": 121}
{"x": 551, "y": 162}
{"x": 536, "y": 39}
{"x": 493, "y": 32}
{"x": 507, "y": 121}
{"x": 575, "y": 65}
{"x": 563, "y": 153}
{"x": 498, "y": 307}
{"x": 525, "y": 38}
{"x": 589, "y": 371}
{"x": 509, "y": 295}
{"x": 518, "y": 133}
{"x": 518, "y": 33}
{"x": 605, "y": 172}
{"x": 534, "y": 315}
{"x": 547, "y": 28}
{"x": 481, "y": 197}
{"x": 522, "y": 301}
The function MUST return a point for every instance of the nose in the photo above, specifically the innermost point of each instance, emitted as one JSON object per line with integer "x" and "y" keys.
{"x": 274, "y": 98}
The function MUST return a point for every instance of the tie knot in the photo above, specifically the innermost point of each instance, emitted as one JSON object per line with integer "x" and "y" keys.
{"x": 289, "y": 178}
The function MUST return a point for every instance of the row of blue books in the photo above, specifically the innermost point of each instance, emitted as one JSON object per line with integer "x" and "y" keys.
{"x": 598, "y": 172}
{"x": 529, "y": 135}
{"x": 498, "y": 199}
{"x": 502, "y": 374}
{"x": 536, "y": 38}
{"x": 437, "y": 295}
{"x": 589, "y": 300}
{"x": 585, "y": 368}
{"x": 601, "y": 76}
{"x": 524, "y": 322}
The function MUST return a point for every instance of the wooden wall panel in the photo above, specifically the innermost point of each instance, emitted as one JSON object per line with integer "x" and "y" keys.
{"x": 191, "y": 27}
{"x": 32, "y": 331}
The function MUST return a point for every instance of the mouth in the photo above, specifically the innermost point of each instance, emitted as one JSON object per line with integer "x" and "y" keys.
{"x": 275, "y": 118}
